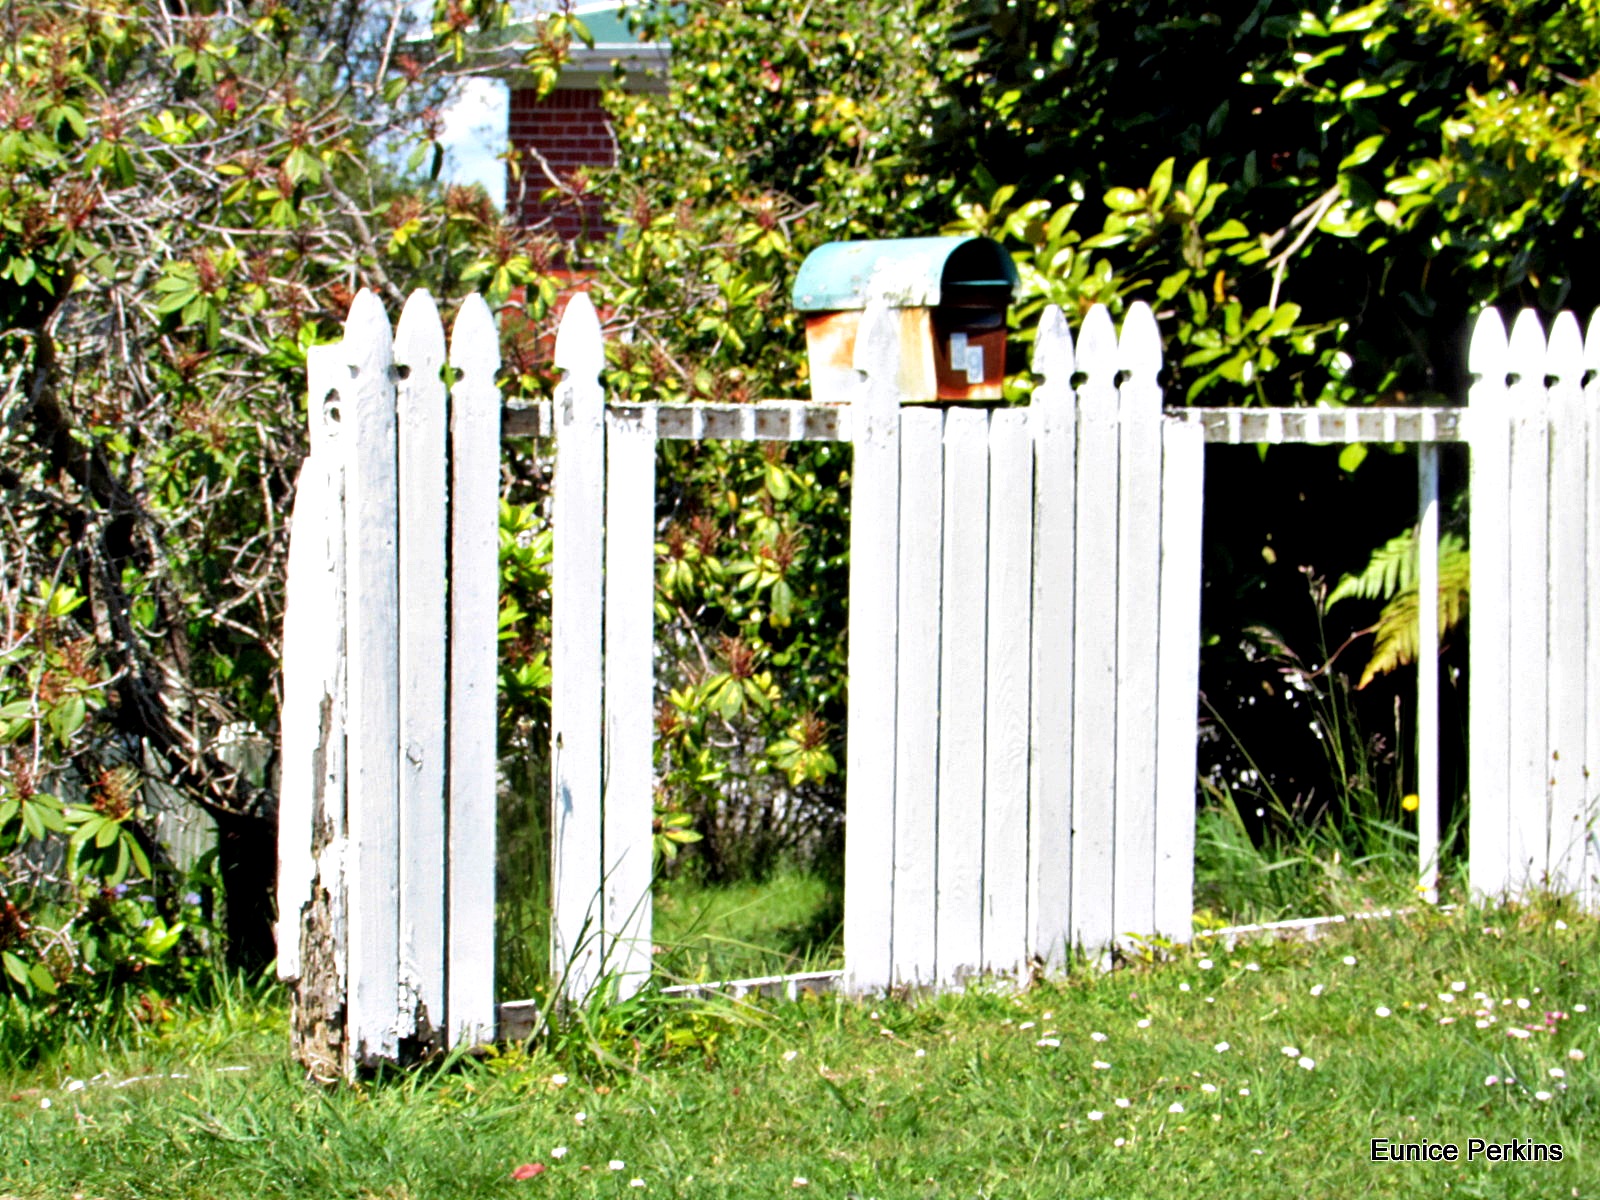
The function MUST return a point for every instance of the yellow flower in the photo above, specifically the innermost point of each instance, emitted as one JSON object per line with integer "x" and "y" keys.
{"x": 1411, "y": 803}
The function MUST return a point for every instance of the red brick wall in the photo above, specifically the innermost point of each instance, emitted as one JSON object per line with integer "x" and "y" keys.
{"x": 568, "y": 128}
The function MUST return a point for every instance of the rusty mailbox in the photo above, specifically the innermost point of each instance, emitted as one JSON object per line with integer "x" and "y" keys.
{"x": 952, "y": 293}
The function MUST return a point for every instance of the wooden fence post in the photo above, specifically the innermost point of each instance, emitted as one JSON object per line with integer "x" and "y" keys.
{"x": 372, "y": 612}
{"x": 1428, "y": 672}
{"x": 1138, "y": 582}
{"x": 1006, "y": 688}
{"x": 1054, "y": 416}
{"x": 1529, "y": 618}
{"x": 874, "y": 602}
{"x": 916, "y": 766}
{"x": 311, "y": 798}
{"x": 1568, "y": 557}
{"x": 474, "y": 670}
{"x": 629, "y": 795}
{"x": 575, "y": 652}
{"x": 1590, "y": 892}
{"x": 963, "y": 624}
{"x": 1183, "y": 489}
{"x": 1094, "y": 719}
{"x": 1489, "y": 811}
{"x": 420, "y": 402}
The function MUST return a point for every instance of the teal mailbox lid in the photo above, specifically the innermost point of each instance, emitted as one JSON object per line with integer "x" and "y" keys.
{"x": 913, "y": 272}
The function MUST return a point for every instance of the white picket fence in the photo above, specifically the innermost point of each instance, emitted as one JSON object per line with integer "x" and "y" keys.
{"x": 1023, "y": 633}
{"x": 1534, "y": 724}
{"x": 387, "y": 803}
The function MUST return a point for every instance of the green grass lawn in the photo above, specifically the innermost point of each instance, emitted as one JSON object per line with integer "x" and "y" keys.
{"x": 785, "y": 924}
{"x": 1261, "y": 1072}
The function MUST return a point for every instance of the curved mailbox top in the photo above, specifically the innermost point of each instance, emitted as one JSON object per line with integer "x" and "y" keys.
{"x": 913, "y": 273}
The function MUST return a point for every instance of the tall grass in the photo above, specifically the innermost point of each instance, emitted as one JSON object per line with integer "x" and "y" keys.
{"x": 1309, "y": 856}
{"x": 787, "y": 923}
{"x": 522, "y": 877}
{"x": 1261, "y": 1071}
{"x": 219, "y": 1008}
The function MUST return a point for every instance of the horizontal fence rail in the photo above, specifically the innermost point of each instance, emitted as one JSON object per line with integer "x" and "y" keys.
{"x": 764, "y": 421}
{"x": 1324, "y": 426}
{"x": 805, "y": 421}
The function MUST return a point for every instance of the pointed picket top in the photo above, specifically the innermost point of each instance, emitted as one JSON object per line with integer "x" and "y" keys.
{"x": 1053, "y": 355}
{"x": 1097, "y": 351}
{"x": 365, "y": 320}
{"x": 1591, "y": 345}
{"x": 1564, "y": 358}
{"x": 419, "y": 337}
{"x": 475, "y": 343}
{"x": 1488, "y": 354}
{"x": 1527, "y": 351}
{"x": 877, "y": 353}
{"x": 1139, "y": 348}
{"x": 580, "y": 351}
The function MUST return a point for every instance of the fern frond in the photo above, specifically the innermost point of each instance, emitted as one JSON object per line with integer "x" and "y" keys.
{"x": 1395, "y": 641}
{"x": 1392, "y": 569}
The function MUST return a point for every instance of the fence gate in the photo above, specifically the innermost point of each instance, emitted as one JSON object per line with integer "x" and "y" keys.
{"x": 1025, "y": 584}
{"x": 1020, "y": 595}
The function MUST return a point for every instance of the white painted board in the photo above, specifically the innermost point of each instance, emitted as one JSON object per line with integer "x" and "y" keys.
{"x": 576, "y": 613}
{"x": 962, "y": 665}
{"x": 1053, "y": 422}
{"x": 1178, "y": 666}
{"x": 313, "y": 649}
{"x": 1428, "y": 673}
{"x": 372, "y": 625}
{"x": 474, "y": 669}
{"x": 874, "y": 603}
{"x": 1488, "y": 720}
{"x": 1007, "y": 693}
{"x": 629, "y": 700}
{"x": 917, "y": 694}
{"x": 1568, "y": 523}
{"x": 1139, "y": 505}
{"x": 1094, "y": 723}
{"x": 421, "y": 418}
{"x": 1528, "y": 621}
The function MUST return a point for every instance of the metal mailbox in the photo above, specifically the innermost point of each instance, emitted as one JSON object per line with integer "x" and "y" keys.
{"x": 952, "y": 293}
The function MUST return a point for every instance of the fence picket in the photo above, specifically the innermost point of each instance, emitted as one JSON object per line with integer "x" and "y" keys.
{"x": 1053, "y": 414}
{"x": 1006, "y": 688}
{"x": 873, "y": 651}
{"x": 1590, "y": 891}
{"x": 1138, "y": 614}
{"x": 474, "y": 669}
{"x": 629, "y": 800}
{"x": 963, "y": 621}
{"x": 1428, "y": 673}
{"x": 1489, "y": 769}
{"x": 421, "y": 427}
{"x": 917, "y": 692}
{"x": 575, "y": 650}
{"x": 1567, "y": 524}
{"x": 1178, "y": 677}
{"x": 372, "y": 625}
{"x": 1528, "y": 620}
{"x": 1094, "y": 721}
{"x": 311, "y": 789}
